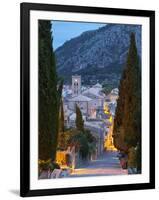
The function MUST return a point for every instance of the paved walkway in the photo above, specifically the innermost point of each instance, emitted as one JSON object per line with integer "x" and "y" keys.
{"x": 107, "y": 164}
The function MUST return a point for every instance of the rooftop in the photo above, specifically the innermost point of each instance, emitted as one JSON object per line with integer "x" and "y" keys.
{"x": 97, "y": 86}
{"x": 94, "y": 91}
{"x": 80, "y": 97}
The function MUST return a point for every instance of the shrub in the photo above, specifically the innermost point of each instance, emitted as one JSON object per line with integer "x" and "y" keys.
{"x": 46, "y": 165}
{"x": 43, "y": 165}
{"x": 53, "y": 166}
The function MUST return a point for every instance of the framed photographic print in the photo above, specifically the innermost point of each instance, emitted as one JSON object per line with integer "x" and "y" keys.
{"x": 87, "y": 99}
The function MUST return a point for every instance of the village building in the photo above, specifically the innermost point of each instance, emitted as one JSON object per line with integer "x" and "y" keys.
{"x": 97, "y": 110}
{"x": 82, "y": 101}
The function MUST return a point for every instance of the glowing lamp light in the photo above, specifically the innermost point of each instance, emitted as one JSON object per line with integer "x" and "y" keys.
{"x": 110, "y": 119}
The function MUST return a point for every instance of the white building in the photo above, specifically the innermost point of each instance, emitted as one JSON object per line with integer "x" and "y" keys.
{"x": 82, "y": 101}
{"x": 96, "y": 94}
{"x": 111, "y": 101}
{"x": 113, "y": 95}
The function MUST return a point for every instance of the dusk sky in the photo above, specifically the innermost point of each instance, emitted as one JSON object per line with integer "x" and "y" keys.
{"x": 64, "y": 31}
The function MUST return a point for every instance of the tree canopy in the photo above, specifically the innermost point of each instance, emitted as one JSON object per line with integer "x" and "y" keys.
{"x": 79, "y": 120}
{"x": 50, "y": 90}
{"x": 127, "y": 123}
{"x": 61, "y": 135}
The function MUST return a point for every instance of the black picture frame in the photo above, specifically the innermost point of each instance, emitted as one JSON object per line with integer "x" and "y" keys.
{"x": 25, "y": 9}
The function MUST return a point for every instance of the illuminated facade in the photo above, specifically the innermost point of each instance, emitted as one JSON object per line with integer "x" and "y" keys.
{"x": 109, "y": 143}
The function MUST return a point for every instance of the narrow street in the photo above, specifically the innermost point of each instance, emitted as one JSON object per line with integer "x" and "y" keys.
{"x": 107, "y": 164}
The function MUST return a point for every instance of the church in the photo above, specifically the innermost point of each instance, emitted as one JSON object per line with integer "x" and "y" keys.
{"x": 90, "y": 100}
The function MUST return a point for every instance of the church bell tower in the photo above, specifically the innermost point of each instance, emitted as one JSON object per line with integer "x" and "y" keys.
{"x": 76, "y": 85}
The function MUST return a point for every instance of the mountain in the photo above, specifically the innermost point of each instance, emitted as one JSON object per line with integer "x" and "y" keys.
{"x": 97, "y": 55}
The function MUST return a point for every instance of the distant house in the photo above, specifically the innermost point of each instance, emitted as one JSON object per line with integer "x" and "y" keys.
{"x": 113, "y": 95}
{"x": 95, "y": 92}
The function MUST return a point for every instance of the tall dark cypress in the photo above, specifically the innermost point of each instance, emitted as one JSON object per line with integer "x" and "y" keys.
{"x": 132, "y": 108}
{"x": 127, "y": 123}
{"x": 49, "y": 94}
{"x": 79, "y": 120}
{"x": 61, "y": 137}
{"x": 118, "y": 132}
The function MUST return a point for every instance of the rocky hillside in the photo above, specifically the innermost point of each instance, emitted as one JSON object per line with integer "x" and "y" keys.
{"x": 97, "y": 55}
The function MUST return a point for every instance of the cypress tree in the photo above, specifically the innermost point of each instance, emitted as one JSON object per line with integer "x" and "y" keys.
{"x": 79, "y": 120}
{"x": 61, "y": 138}
{"x": 62, "y": 125}
{"x": 132, "y": 106}
{"x": 49, "y": 94}
{"x": 127, "y": 122}
{"x": 118, "y": 132}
